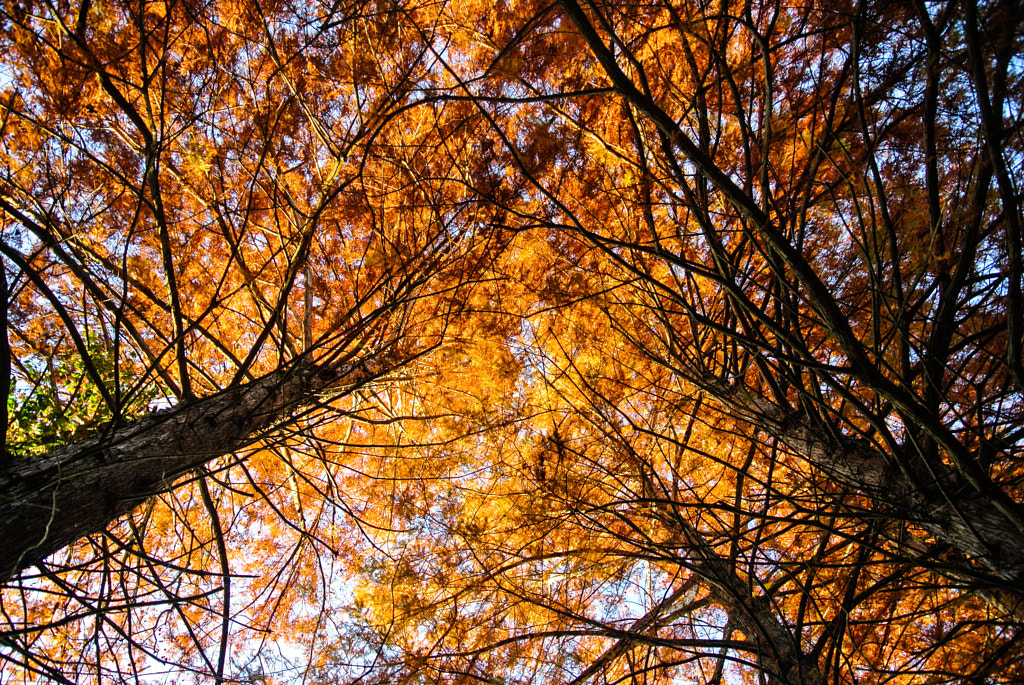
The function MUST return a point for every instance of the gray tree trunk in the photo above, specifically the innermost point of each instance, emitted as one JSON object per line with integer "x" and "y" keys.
{"x": 49, "y": 501}
{"x": 944, "y": 503}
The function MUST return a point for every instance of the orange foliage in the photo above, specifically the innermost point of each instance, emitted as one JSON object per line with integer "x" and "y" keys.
{"x": 700, "y": 329}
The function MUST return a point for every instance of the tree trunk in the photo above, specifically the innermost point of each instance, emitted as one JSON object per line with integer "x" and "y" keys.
{"x": 978, "y": 520}
{"x": 944, "y": 504}
{"x": 775, "y": 646}
{"x": 50, "y": 501}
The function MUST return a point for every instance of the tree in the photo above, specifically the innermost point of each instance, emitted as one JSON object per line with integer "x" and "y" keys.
{"x": 745, "y": 193}
{"x": 190, "y": 226}
{"x": 866, "y": 393}
{"x": 577, "y": 342}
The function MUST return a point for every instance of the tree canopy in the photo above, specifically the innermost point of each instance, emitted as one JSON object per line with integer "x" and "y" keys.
{"x": 411, "y": 341}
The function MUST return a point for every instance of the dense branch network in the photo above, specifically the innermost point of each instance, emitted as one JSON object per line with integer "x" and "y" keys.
{"x": 551, "y": 342}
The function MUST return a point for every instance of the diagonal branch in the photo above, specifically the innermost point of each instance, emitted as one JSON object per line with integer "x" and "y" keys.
{"x": 50, "y": 501}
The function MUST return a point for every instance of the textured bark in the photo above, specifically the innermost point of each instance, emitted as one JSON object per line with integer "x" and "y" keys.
{"x": 776, "y": 647}
{"x": 958, "y": 507}
{"x": 48, "y": 502}
{"x": 944, "y": 504}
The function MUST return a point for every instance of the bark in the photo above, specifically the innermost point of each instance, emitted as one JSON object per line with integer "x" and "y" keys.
{"x": 960, "y": 507}
{"x": 944, "y": 503}
{"x": 48, "y": 502}
{"x": 645, "y": 624}
{"x": 776, "y": 647}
